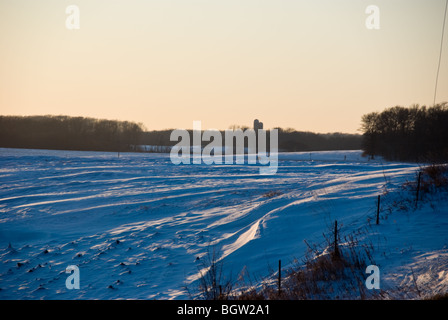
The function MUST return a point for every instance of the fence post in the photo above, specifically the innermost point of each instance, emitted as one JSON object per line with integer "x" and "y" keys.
{"x": 378, "y": 210}
{"x": 279, "y": 276}
{"x": 336, "y": 249}
{"x": 418, "y": 188}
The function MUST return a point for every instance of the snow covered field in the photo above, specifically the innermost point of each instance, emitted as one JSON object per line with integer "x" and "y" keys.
{"x": 137, "y": 226}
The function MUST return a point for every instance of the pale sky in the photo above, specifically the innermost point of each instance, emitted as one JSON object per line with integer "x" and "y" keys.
{"x": 308, "y": 65}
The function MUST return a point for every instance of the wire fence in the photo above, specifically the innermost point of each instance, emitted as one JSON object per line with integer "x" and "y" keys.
{"x": 375, "y": 213}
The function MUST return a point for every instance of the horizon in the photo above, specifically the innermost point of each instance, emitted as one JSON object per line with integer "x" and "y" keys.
{"x": 238, "y": 126}
{"x": 309, "y": 66}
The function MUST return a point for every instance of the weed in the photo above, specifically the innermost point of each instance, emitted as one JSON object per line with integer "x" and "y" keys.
{"x": 272, "y": 194}
{"x": 213, "y": 285}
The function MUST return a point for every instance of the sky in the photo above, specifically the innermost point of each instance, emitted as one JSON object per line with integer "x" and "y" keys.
{"x": 307, "y": 65}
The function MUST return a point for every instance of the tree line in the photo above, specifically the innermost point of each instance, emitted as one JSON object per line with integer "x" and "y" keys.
{"x": 417, "y": 133}
{"x": 68, "y": 133}
{"x": 289, "y": 140}
{"x": 80, "y": 133}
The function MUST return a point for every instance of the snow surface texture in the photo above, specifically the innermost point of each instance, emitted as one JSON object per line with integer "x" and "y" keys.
{"x": 137, "y": 226}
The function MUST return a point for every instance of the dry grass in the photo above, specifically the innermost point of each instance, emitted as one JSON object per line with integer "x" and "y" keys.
{"x": 434, "y": 177}
{"x": 439, "y": 296}
{"x": 213, "y": 284}
{"x": 272, "y": 194}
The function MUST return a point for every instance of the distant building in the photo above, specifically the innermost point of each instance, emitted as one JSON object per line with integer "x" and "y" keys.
{"x": 257, "y": 125}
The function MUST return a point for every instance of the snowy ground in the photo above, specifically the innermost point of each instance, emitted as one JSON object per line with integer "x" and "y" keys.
{"x": 137, "y": 226}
